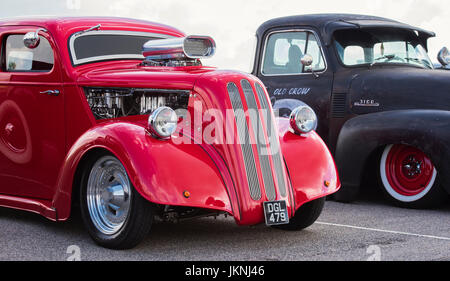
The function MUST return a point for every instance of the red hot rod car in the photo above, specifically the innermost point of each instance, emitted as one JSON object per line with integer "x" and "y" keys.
{"x": 120, "y": 117}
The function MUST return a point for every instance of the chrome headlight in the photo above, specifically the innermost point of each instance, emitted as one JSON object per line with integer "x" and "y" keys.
{"x": 162, "y": 123}
{"x": 303, "y": 119}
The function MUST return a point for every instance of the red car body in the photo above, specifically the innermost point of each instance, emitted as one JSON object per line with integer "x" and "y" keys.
{"x": 45, "y": 139}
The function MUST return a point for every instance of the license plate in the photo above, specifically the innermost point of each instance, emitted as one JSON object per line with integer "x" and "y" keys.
{"x": 276, "y": 213}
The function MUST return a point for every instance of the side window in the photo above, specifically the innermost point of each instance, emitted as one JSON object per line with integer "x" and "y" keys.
{"x": 284, "y": 51}
{"x": 314, "y": 50}
{"x": 20, "y": 58}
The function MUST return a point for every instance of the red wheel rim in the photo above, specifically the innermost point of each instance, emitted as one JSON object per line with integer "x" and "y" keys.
{"x": 408, "y": 170}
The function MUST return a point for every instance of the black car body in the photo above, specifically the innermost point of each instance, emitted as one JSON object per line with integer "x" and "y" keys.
{"x": 375, "y": 92}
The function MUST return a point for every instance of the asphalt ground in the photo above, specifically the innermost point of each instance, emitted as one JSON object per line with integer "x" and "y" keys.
{"x": 369, "y": 229}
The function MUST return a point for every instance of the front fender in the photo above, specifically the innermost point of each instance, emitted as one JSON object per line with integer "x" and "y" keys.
{"x": 160, "y": 170}
{"x": 309, "y": 163}
{"x": 427, "y": 130}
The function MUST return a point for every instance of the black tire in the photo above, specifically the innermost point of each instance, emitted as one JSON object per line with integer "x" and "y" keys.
{"x": 136, "y": 225}
{"x": 305, "y": 216}
{"x": 433, "y": 196}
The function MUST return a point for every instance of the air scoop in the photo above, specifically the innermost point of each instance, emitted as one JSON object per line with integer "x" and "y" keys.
{"x": 188, "y": 48}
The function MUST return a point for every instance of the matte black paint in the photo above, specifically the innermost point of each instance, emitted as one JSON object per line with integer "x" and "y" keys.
{"x": 414, "y": 103}
{"x": 428, "y": 130}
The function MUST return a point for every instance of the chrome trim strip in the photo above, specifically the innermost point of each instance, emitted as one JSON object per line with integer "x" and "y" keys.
{"x": 110, "y": 57}
{"x": 76, "y": 35}
{"x": 293, "y": 30}
{"x": 246, "y": 146}
{"x": 275, "y": 146}
{"x": 264, "y": 159}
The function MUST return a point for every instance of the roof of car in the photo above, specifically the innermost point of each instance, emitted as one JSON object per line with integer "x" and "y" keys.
{"x": 328, "y": 23}
{"x": 68, "y": 23}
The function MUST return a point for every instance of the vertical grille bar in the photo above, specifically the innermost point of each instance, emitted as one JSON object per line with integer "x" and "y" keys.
{"x": 275, "y": 145}
{"x": 257, "y": 126}
{"x": 243, "y": 134}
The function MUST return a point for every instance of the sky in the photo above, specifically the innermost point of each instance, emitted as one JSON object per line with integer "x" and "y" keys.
{"x": 233, "y": 23}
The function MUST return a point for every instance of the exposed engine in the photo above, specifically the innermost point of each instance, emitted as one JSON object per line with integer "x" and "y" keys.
{"x": 172, "y": 62}
{"x": 107, "y": 103}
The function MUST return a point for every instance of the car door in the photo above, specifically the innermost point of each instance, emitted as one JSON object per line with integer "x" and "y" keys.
{"x": 288, "y": 80}
{"x": 32, "y": 141}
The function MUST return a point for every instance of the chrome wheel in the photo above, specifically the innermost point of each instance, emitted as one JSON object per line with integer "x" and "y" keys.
{"x": 108, "y": 195}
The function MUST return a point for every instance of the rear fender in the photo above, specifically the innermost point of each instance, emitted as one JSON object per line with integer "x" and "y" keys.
{"x": 427, "y": 130}
{"x": 160, "y": 170}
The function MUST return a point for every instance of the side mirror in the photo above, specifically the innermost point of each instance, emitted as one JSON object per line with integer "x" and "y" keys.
{"x": 444, "y": 56}
{"x": 31, "y": 40}
{"x": 307, "y": 60}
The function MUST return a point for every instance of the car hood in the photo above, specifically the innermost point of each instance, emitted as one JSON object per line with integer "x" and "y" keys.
{"x": 400, "y": 88}
{"x": 132, "y": 76}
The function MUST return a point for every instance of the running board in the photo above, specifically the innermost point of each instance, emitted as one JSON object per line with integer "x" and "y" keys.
{"x": 42, "y": 207}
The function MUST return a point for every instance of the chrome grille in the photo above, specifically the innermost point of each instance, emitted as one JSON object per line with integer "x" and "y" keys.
{"x": 275, "y": 144}
{"x": 243, "y": 134}
{"x": 260, "y": 139}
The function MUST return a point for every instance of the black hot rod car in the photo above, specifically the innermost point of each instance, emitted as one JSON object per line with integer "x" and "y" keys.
{"x": 382, "y": 106}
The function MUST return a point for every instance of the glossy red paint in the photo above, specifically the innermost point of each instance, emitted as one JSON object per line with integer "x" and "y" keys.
{"x": 31, "y": 141}
{"x": 150, "y": 165}
{"x": 312, "y": 152}
{"x": 43, "y": 138}
{"x": 215, "y": 82}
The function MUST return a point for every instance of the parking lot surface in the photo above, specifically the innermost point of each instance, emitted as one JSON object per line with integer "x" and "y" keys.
{"x": 364, "y": 230}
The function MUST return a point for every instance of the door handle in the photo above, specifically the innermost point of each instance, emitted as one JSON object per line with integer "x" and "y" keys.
{"x": 51, "y": 92}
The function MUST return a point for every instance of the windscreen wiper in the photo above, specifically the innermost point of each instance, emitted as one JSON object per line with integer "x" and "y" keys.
{"x": 386, "y": 57}
{"x": 95, "y": 27}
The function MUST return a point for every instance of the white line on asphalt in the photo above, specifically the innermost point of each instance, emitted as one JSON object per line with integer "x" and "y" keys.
{"x": 385, "y": 231}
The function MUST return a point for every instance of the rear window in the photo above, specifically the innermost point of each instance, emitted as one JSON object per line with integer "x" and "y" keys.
{"x": 100, "y": 45}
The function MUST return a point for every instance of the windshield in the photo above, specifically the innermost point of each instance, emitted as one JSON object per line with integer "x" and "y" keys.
{"x": 376, "y": 46}
{"x": 101, "y": 45}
